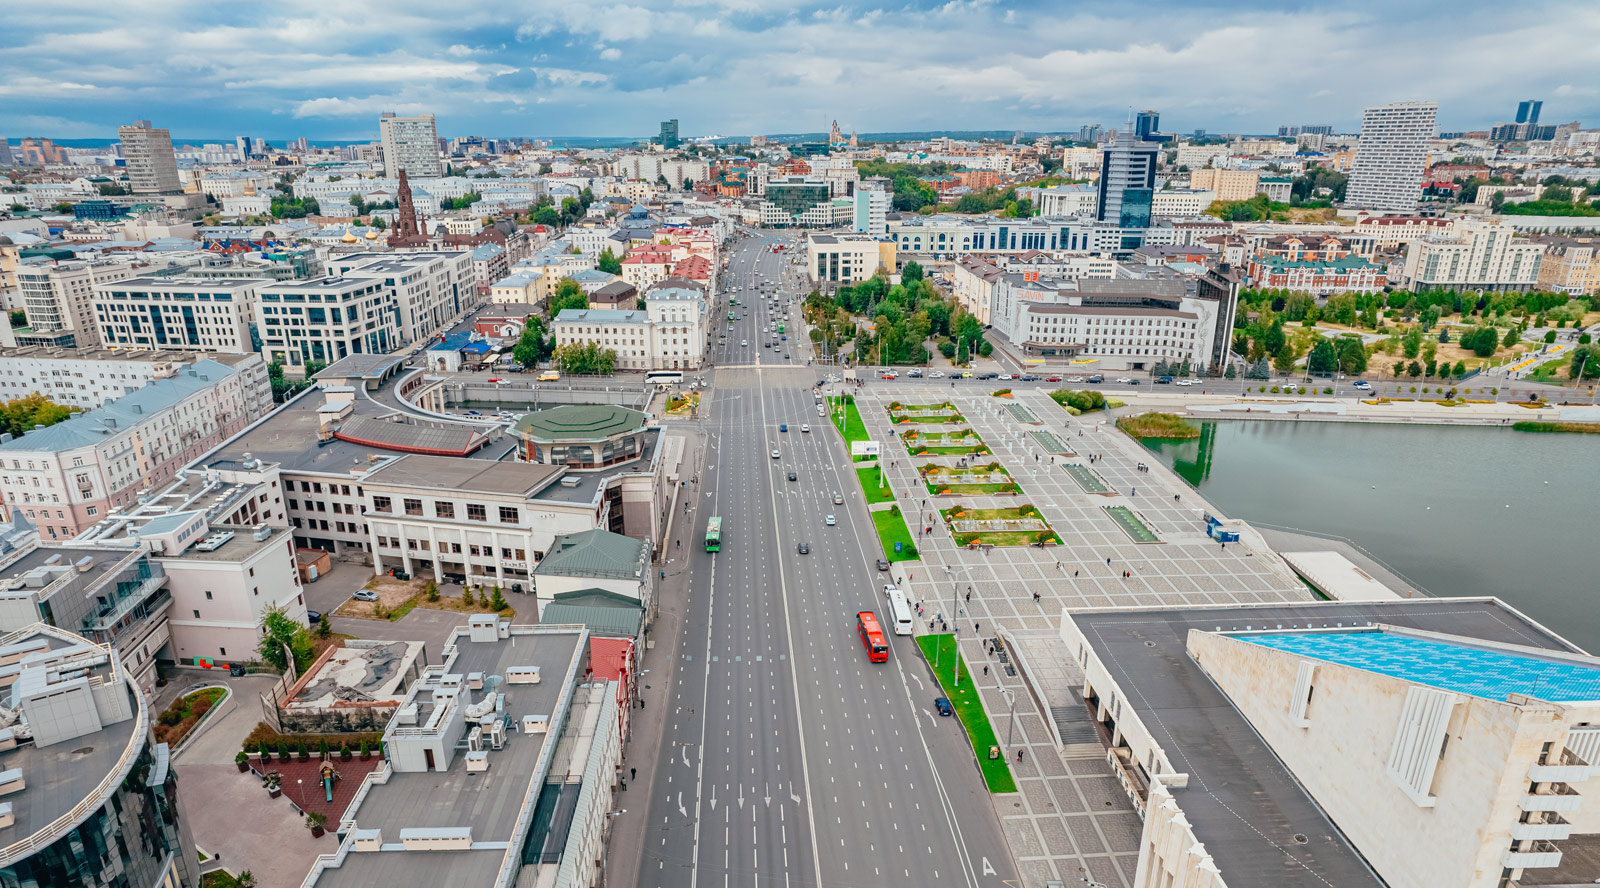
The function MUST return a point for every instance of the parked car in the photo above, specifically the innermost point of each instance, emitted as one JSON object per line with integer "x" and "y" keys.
{"x": 943, "y": 706}
{"x": 1006, "y": 376}
{"x": 365, "y": 595}
{"x": 1028, "y": 378}
{"x": 883, "y": 564}
{"x": 313, "y": 617}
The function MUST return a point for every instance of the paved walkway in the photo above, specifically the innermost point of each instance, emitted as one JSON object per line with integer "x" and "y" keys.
{"x": 1070, "y": 819}
{"x": 233, "y": 819}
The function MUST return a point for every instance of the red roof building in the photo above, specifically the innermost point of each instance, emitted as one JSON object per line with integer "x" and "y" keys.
{"x": 612, "y": 659}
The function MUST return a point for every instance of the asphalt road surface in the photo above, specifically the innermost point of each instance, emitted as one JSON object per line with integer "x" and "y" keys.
{"x": 788, "y": 759}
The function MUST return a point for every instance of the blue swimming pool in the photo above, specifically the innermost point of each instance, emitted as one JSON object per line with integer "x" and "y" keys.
{"x": 1451, "y": 667}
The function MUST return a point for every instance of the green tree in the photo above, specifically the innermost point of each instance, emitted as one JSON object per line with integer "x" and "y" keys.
{"x": 463, "y": 202}
{"x": 430, "y": 592}
{"x": 534, "y": 344}
{"x": 911, "y": 273}
{"x": 278, "y": 632}
{"x": 1412, "y": 342}
{"x": 986, "y": 348}
{"x": 586, "y": 358}
{"x": 609, "y": 263}
{"x": 19, "y": 318}
{"x": 19, "y": 415}
{"x": 1549, "y": 336}
{"x": 498, "y": 602}
{"x": 324, "y": 626}
{"x": 1323, "y": 358}
{"x": 1413, "y": 369}
{"x": 1283, "y": 360}
{"x": 111, "y": 190}
{"x": 1352, "y": 355}
{"x": 568, "y": 295}
{"x": 1513, "y": 336}
{"x": 1584, "y": 363}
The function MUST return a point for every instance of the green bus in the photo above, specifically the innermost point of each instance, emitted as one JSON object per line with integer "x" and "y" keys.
{"x": 714, "y": 534}
{"x": 780, "y": 328}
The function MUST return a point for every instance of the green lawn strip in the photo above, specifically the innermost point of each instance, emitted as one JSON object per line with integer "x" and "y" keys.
{"x": 851, "y": 427}
{"x": 978, "y": 449}
{"x": 937, "y": 419}
{"x": 1131, "y": 524}
{"x": 999, "y": 487}
{"x": 869, "y": 476}
{"x": 892, "y": 529}
{"x": 1005, "y": 537}
{"x": 939, "y": 649}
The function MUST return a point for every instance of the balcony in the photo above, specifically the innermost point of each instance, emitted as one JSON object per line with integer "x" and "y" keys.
{"x": 1121, "y": 761}
{"x": 1554, "y": 797}
{"x": 1562, "y": 767}
{"x": 1537, "y": 855}
{"x": 1553, "y": 828}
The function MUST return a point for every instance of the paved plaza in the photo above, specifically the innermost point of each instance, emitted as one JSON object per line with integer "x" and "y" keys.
{"x": 1070, "y": 819}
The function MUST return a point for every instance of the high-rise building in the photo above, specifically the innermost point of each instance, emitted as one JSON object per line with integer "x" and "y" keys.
{"x": 1387, "y": 173}
{"x": 669, "y": 134}
{"x": 152, "y": 167}
{"x": 410, "y": 144}
{"x": 5, "y": 152}
{"x": 1147, "y": 124}
{"x": 1127, "y": 182}
{"x": 1089, "y": 132}
{"x": 835, "y": 135}
{"x": 1528, "y": 111}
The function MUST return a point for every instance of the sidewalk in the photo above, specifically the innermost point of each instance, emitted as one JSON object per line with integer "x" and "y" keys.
{"x": 657, "y": 671}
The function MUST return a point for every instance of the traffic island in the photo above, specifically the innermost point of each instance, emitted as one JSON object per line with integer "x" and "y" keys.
{"x": 943, "y": 659}
{"x": 892, "y": 532}
{"x": 1132, "y": 524}
{"x": 989, "y": 478}
{"x": 873, "y": 485}
{"x": 960, "y": 442}
{"x": 1019, "y": 526}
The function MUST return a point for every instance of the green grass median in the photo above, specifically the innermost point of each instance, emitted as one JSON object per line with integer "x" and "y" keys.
{"x": 892, "y": 529}
{"x": 940, "y": 649}
{"x": 850, "y": 424}
{"x": 870, "y": 477}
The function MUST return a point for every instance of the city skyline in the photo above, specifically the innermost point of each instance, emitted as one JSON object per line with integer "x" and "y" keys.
{"x": 303, "y": 70}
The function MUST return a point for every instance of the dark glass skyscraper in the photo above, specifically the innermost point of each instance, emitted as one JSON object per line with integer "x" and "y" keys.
{"x": 1127, "y": 182}
{"x": 1528, "y": 111}
{"x": 669, "y": 134}
{"x": 1147, "y": 124}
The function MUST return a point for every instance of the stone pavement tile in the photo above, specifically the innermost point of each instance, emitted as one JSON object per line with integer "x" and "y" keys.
{"x": 1084, "y": 834}
{"x": 1105, "y": 871}
{"x": 1056, "y": 838}
{"x": 234, "y": 818}
{"x": 1039, "y": 801}
{"x": 1052, "y": 766}
{"x": 1035, "y": 873}
{"x": 1128, "y": 865}
{"x": 1102, "y": 793}
{"x": 1088, "y": 767}
{"x": 1066, "y": 794}
{"x": 1122, "y": 830}
{"x": 1024, "y": 839}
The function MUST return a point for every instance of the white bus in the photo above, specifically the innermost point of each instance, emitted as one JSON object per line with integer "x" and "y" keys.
{"x": 664, "y": 377}
{"x": 899, "y": 612}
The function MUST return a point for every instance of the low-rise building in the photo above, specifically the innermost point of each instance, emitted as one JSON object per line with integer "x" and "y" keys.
{"x": 1229, "y": 185}
{"x": 71, "y": 475}
{"x": 848, "y": 258}
{"x": 670, "y": 334}
{"x": 1180, "y": 202}
{"x": 1319, "y": 277}
{"x": 580, "y": 564}
{"x": 1119, "y": 325}
{"x": 87, "y": 378}
{"x": 507, "y": 724}
{"x": 1474, "y": 254}
{"x": 201, "y": 314}
{"x": 1570, "y": 265}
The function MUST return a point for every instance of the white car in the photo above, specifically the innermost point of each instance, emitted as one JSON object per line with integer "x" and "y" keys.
{"x": 805, "y": 428}
{"x": 820, "y": 411}
{"x": 1074, "y": 379}
{"x": 1124, "y": 380}
{"x": 1185, "y": 382}
{"x": 830, "y": 522}
{"x": 937, "y": 374}
{"x": 775, "y": 454}
{"x": 744, "y": 343}
{"x": 1007, "y": 376}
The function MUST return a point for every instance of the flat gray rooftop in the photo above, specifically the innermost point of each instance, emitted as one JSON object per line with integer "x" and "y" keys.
{"x": 475, "y": 476}
{"x": 104, "y": 561}
{"x": 588, "y": 485}
{"x": 1243, "y": 804}
{"x": 488, "y": 801}
{"x": 468, "y": 869}
{"x": 63, "y": 774}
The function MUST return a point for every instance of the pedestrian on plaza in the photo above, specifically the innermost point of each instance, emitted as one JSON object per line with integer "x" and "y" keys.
{"x": 641, "y": 702}
{"x": 633, "y": 773}
{"x": 680, "y": 544}
{"x": 969, "y": 596}
{"x": 1108, "y": 562}
{"x": 1019, "y": 756}
{"x": 985, "y": 670}
{"x": 1074, "y": 573}
{"x": 976, "y": 628}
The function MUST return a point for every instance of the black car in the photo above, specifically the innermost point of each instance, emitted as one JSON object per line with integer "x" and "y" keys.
{"x": 804, "y": 548}
{"x": 793, "y": 476}
{"x": 1027, "y": 378}
{"x": 1096, "y": 379}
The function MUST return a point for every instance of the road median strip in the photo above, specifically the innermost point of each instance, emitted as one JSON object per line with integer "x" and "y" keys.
{"x": 939, "y": 651}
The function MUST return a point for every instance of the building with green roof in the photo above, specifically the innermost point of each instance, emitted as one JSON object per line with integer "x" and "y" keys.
{"x": 582, "y": 436}
{"x": 594, "y": 562}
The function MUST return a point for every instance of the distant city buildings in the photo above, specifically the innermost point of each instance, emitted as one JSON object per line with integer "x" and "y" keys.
{"x": 669, "y": 134}
{"x": 410, "y": 144}
{"x": 1391, "y": 157}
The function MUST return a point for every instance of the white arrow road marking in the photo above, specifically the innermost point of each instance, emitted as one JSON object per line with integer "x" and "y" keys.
{"x": 685, "y": 756}
{"x": 792, "y": 797}
{"x": 682, "y": 811}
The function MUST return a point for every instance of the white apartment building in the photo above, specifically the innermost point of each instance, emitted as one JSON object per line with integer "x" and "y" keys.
{"x": 59, "y": 297}
{"x": 1391, "y": 232}
{"x": 1062, "y": 200}
{"x": 930, "y": 237}
{"x": 199, "y": 314}
{"x": 429, "y": 287}
{"x": 871, "y": 211}
{"x": 1180, "y": 202}
{"x": 974, "y": 281}
{"x": 326, "y": 319}
{"x": 670, "y": 334}
{"x": 1391, "y": 157}
{"x": 652, "y": 167}
{"x": 410, "y": 144}
{"x": 848, "y": 258}
{"x": 152, "y": 167}
{"x": 70, "y": 475}
{"x": 85, "y": 378}
{"x": 1475, "y": 254}
{"x": 1199, "y": 156}
{"x": 1119, "y": 325}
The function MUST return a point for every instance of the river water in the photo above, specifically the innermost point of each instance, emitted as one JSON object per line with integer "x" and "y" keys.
{"x": 1456, "y": 510}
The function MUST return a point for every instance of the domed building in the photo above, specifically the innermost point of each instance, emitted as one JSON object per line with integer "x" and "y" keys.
{"x": 582, "y": 436}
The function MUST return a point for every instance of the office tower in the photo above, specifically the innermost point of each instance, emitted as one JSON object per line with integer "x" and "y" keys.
{"x": 1288, "y": 132}
{"x": 1317, "y": 130}
{"x": 1127, "y": 182}
{"x": 5, "y": 152}
{"x": 1387, "y": 173}
{"x": 1528, "y": 111}
{"x": 1089, "y": 132}
{"x": 410, "y": 144}
{"x": 1199, "y": 135}
{"x": 669, "y": 134}
{"x": 1147, "y": 125}
{"x": 152, "y": 167}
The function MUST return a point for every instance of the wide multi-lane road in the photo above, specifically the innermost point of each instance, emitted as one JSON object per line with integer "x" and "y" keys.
{"x": 788, "y": 758}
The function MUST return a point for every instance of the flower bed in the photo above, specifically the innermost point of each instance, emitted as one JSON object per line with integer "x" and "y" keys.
{"x": 176, "y": 722}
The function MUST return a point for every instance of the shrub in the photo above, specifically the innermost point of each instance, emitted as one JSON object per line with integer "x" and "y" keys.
{"x": 498, "y": 603}
{"x": 431, "y": 591}
{"x": 1276, "y": 390}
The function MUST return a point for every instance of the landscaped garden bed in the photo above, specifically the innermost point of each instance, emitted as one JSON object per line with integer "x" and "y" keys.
{"x": 1132, "y": 524}
{"x": 960, "y": 442}
{"x": 988, "y": 478}
{"x": 891, "y": 528}
{"x": 1017, "y": 526}
{"x": 178, "y": 720}
{"x": 943, "y": 412}
{"x": 1158, "y": 425}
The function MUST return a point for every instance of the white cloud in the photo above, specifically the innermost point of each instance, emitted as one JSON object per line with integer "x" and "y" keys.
{"x": 460, "y": 50}
{"x": 611, "y": 54}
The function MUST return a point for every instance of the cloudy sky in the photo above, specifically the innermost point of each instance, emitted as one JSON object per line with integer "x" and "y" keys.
{"x": 325, "y": 68}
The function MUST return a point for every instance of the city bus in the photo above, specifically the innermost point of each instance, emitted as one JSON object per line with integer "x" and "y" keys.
{"x": 900, "y": 612}
{"x": 872, "y": 637}
{"x": 714, "y": 534}
{"x": 664, "y": 377}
